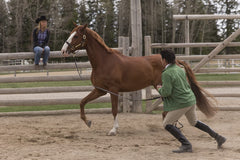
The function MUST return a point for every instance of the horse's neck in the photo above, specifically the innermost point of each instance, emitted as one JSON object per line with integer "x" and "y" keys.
{"x": 96, "y": 53}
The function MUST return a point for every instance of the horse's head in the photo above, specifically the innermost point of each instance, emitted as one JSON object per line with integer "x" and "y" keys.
{"x": 76, "y": 40}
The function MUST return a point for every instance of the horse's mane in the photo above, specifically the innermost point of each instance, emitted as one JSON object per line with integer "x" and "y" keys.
{"x": 99, "y": 40}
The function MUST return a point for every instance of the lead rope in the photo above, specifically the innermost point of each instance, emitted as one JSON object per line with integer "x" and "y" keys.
{"x": 115, "y": 94}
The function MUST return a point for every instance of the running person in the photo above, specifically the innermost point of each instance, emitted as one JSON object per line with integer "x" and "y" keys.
{"x": 179, "y": 100}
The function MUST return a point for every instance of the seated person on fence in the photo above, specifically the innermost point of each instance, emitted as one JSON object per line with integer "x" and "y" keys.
{"x": 40, "y": 41}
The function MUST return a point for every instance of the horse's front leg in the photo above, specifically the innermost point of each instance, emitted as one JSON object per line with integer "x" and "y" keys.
{"x": 114, "y": 100}
{"x": 91, "y": 96}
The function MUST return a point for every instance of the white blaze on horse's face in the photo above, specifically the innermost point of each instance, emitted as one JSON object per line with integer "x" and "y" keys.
{"x": 69, "y": 40}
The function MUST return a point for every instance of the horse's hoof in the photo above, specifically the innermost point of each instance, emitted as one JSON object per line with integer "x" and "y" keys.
{"x": 112, "y": 134}
{"x": 89, "y": 123}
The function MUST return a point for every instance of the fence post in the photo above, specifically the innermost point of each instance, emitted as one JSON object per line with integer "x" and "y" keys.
{"x": 123, "y": 100}
{"x": 126, "y": 95}
{"x": 120, "y": 98}
{"x": 136, "y": 26}
{"x": 187, "y": 49}
{"x": 148, "y": 52}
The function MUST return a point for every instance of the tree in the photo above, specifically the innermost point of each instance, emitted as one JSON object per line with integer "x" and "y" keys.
{"x": 3, "y": 25}
{"x": 16, "y": 24}
{"x": 109, "y": 28}
{"x": 22, "y": 21}
{"x": 228, "y": 26}
{"x": 110, "y": 19}
{"x": 65, "y": 14}
{"x": 123, "y": 8}
{"x": 199, "y": 31}
{"x": 157, "y": 20}
{"x": 83, "y": 17}
{"x": 102, "y": 19}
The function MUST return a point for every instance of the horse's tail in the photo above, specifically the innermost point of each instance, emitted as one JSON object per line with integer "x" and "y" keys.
{"x": 203, "y": 103}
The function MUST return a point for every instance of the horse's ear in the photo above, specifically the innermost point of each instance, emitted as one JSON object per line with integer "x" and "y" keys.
{"x": 75, "y": 24}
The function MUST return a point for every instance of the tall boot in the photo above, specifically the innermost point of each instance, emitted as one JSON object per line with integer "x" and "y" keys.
{"x": 186, "y": 145}
{"x": 220, "y": 139}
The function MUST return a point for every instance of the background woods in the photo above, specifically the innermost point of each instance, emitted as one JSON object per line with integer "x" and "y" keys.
{"x": 111, "y": 18}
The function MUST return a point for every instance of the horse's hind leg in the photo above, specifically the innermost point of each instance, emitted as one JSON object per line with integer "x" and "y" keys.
{"x": 91, "y": 96}
{"x": 114, "y": 100}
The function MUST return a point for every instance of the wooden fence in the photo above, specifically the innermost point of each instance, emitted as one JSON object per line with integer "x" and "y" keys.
{"x": 124, "y": 103}
{"x": 59, "y": 66}
{"x": 123, "y": 47}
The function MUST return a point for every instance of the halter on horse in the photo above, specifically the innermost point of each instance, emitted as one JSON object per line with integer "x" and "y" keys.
{"x": 115, "y": 72}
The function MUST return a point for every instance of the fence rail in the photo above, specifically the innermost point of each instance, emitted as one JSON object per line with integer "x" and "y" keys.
{"x": 56, "y": 101}
{"x": 218, "y": 70}
{"x": 222, "y": 83}
{"x": 200, "y": 57}
{"x": 56, "y": 112}
{"x": 48, "y": 67}
{"x": 53, "y": 54}
{"x": 205, "y": 16}
{"x": 222, "y": 94}
{"x": 89, "y": 88}
{"x": 183, "y": 45}
{"x": 30, "y": 55}
{"x": 88, "y": 65}
{"x": 46, "y": 89}
{"x": 43, "y": 79}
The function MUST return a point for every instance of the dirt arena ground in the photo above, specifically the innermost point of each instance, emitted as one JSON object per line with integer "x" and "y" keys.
{"x": 140, "y": 137}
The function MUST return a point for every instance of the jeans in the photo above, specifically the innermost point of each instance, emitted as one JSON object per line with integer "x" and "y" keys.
{"x": 38, "y": 52}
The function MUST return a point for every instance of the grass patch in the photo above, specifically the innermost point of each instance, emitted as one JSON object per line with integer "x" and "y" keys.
{"x": 218, "y": 77}
{"x": 45, "y": 84}
{"x": 53, "y": 107}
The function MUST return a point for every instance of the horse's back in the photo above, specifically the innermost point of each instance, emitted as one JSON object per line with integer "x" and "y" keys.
{"x": 157, "y": 67}
{"x": 142, "y": 71}
{"x": 155, "y": 60}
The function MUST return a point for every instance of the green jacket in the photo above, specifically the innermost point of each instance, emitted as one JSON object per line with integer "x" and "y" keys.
{"x": 176, "y": 91}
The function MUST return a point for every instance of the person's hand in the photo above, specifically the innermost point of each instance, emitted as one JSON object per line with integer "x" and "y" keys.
{"x": 65, "y": 54}
{"x": 159, "y": 86}
{"x": 42, "y": 50}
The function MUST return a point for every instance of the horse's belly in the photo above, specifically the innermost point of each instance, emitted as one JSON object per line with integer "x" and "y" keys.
{"x": 133, "y": 83}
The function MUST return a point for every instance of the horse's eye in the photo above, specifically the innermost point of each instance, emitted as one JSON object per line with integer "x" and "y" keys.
{"x": 75, "y": 37}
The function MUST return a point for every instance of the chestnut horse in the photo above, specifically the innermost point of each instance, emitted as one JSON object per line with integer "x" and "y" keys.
{"x": 116, "y": 73}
